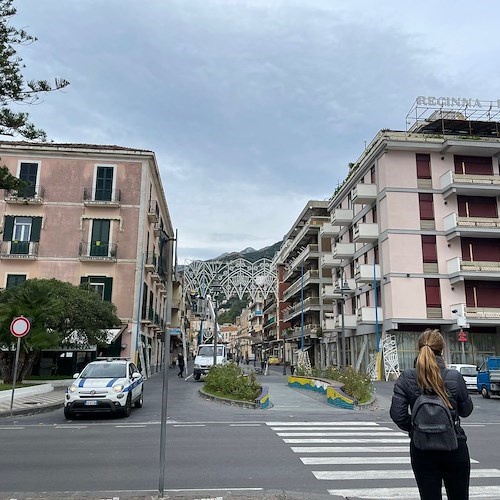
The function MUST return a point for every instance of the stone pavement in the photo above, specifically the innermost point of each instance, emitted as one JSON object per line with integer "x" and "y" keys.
{"x": 33, "y": 403}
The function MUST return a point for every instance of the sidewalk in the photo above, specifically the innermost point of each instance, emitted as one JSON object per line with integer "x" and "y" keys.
{"x": 33, "y": 403}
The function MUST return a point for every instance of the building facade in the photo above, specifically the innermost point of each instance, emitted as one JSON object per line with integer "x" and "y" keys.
{"x": 94, "y": 215}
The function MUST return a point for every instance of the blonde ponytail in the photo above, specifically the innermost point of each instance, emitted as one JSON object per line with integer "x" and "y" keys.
{"x": 430, "y": 343}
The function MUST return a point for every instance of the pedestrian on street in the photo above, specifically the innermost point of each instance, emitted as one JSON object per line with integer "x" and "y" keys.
{"x": 180, "y": 364}
{"x": 430, "y": 377}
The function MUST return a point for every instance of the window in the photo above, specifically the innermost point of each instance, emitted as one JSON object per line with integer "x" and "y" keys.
{"x": 104, "y": 183}
{"x": 432, "y": 292}
{"x": 102, "y": 285}
{"x": 475, "y": 165}
{"x": 479, "y": 250}
{"x": 372, "y": 174}
{"x": 482, "y": 294}
{"x": 374, "y": 214}
{"x": 144, "y": 309}
{"x": 99, "y": 245}
{"x": 28, "y": 173}
{"x": 477, "y": 206}
{"x": 423, "y": 166}
{"x": 429, "y": 251}
{"x": 20, "y": 231}
{"x": 14, "y": 280}
{"x": 426, "y": 206}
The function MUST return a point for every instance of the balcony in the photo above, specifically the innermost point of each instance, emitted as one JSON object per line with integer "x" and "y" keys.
{"x": 25, "y": 250}
{"x": 311, "y": 276}
{"x": 328, "y": 261}
{"x": 310, "y": 228}
{"x": 153, "y": 212}
{"x": 363, "y": 194}
{"x": 485, "y": 313}
{"x": 480, "y": 227}
{"x": 364, "y": 273}
{"x": 365, "y": 232}
{"x": 156, "y": 230}
{"x": 367, "y": 315}
{"x": 150, "y": 263}
{"x": 351, "y": 322}
{"x": 342, "y": 216}
{"x": 345, "y": 286}
{"x": 306, "y": 253}
{"x": 343, "y": 250}
{"x": 97, "y": 251}
{"x": 310, "y": 304}
{"x": 469, "y": 184}
{"x": 328, "y": 322}
{"x": 329, "y": 231}
{"x": 102, "y": 197}
{"x": 30, "y": 195}
{"x": 328, "y": 293}
{"x": 460, "y": 270}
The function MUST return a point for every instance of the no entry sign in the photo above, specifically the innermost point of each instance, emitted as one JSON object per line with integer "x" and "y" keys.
{"x": 20, "y": 326}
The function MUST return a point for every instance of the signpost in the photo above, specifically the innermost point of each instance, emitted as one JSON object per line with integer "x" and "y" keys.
{"x": 19, "y": 327}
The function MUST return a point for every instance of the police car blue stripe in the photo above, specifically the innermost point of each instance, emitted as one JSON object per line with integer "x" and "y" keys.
{"x": 111, "y": 382}
{"x": 82, "y": 381}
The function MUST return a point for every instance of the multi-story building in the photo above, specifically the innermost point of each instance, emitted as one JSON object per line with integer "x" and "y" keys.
{"x": 417, "y": 243}
{"x": 97, "y": 215}
{"x": 302, "y": 278}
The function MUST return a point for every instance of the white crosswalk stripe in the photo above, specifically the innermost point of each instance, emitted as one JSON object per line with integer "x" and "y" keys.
{"x": 377, "y": 455}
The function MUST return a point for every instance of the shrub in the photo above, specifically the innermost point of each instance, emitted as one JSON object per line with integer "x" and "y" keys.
{"x": 356, "y": 384}
{"x": 228, "y": 381}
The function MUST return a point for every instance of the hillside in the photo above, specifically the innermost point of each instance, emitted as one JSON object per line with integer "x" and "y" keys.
{"x": 251, "y": 254}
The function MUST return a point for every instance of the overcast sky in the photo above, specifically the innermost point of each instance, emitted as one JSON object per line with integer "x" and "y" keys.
{"x": 252, "y": 107}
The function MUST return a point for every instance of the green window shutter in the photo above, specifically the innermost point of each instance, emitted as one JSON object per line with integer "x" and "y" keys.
{"x": 36, "y": 226}
{"x": 108, "y": 289}
{"x": 14, "y": 280}
{"x": 8, "y": 228}
{"x": 84, "y": 281}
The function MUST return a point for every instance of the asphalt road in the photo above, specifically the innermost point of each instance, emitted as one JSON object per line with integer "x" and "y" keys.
{"x": 221, "y": 451}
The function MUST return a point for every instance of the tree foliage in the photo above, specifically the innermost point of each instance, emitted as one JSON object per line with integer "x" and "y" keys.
{"x": 15, "y": 89}
{"x": 60, "y": 314}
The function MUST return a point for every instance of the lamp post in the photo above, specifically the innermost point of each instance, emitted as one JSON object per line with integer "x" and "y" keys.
{"x": 344, "y": 288}
{"x": 216, "y": 288}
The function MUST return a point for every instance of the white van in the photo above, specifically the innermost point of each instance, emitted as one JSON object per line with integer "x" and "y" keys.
{"x": 204, "y": 359}
{"x": 469, "y": 373}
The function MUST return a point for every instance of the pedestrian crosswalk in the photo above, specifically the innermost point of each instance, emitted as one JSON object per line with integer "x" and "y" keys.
{"x": 367, "y": 460}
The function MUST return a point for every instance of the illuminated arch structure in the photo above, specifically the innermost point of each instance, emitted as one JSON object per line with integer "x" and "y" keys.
{"x": 236, "y": 277}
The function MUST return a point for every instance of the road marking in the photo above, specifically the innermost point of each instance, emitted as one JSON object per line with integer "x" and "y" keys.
{"x": 346, "y": 475}
{"x": 346, "y": 440}
{"x": 244, "y": 425}
{"x": 410, "y": 493}
{"x": 188, "y": 377}
{"x": 359, "y": 460}
{"x": 189, "y": 425}
{"x": 214, "y": 489}
{"x": 329, "y": 424}
{"x": 133, "y": 426}
{"x": 350, "y": 449}
{"x": 68, "y": 426}
{"x": 11, "y": 428}
{"x": 286, "y": 429}
{"x": 339, "y": 434}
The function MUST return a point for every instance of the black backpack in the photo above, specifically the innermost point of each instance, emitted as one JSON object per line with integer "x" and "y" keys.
{"x": 433, "y": 424}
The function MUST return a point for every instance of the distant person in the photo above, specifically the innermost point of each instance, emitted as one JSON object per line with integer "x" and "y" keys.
{"x": 180, "y": 364}
{"x": 431, "y": 378}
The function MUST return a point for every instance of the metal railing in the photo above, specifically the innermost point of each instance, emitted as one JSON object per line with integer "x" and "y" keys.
{"x": 102, "y": 196}
{"x": 33, "y": 193}
{"x": 97, "y": 250}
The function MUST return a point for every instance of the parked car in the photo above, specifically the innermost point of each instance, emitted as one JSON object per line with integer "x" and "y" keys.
{"x": 469, "y": 373}
{"x": 488, "y": 377}
{"x": 109, "y": 385}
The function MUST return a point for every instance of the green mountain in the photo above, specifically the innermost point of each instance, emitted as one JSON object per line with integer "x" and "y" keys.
{"x": 251, "y": 254}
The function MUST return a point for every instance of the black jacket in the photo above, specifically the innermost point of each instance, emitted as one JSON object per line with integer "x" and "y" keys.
{"x": 406, "y": 391}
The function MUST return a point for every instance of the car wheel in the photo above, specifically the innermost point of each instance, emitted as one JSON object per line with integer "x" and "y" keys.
{"x": 140, "y": 401}
{"x": 485, "y": 393}
{"x": 197, "y": 376}
{"x": 128, "y": 407}
{"x": 68, "y": 414}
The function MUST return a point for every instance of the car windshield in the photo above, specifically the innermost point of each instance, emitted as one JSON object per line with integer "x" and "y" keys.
{"x": 104, "y": 370}
{"x": 468, "y": 371}
{"x": 209, "y": 350}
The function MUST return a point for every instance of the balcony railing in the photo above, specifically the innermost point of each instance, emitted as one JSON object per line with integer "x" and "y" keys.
{"x": 482, "y": 313}
{"x": 343, "y": 250}
{"x": 459, "y": 269}
{"x": 328, "y": 230}
{"x": 153, "y": 211}
{"x": 351, "y": 321}
{"x": 365, "y": 232}
{"x": 27, "y": 250}
{"x": 455, "y": 225}
{"x": 364, "y": 273}
{"x": 469, "y": 184}
{"x": 311, "y": 276}
{"x": 31, "y": 195}
{"x": 102, "y": 197}
{"x": 327, "y": 260}
{"x": 367, "y": 314}
{"x": 97, "y": 251}
{"x": 364, "y": 194}
{"x": 342, "y": 216}
{"x": 150, "y": 263}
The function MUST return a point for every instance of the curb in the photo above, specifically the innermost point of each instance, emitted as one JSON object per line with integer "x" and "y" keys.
{"x": 27, "y": 391}
{"x": 31, "y": 411}
{"x": 231, "y": 402}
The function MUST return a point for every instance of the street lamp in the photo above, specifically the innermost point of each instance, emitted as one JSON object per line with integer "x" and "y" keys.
{"x": 343, "y": 290}
{"x": 215, "y": 288}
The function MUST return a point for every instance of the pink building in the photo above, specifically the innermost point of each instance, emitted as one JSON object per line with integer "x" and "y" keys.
{"x": 98, "y": 215}
{"x": 418, "y": 242}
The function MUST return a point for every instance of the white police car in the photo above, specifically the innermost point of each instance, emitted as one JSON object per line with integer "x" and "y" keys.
{"x": 109, "y": 385}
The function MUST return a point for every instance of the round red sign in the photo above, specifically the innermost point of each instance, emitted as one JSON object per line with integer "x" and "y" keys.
{"x": 20, "y": 326}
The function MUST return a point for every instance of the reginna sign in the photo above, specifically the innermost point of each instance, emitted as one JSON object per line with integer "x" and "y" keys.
{"x": 457, "y": 102}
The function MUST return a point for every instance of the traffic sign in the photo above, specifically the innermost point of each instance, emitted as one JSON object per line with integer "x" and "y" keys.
{"x": 462, "y": 336}
{"x": 20, "y": 326}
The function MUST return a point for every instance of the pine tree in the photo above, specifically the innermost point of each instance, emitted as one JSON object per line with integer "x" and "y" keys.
{"x": 15, "y": 90}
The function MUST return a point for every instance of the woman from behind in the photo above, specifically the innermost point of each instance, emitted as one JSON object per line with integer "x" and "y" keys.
{"x": 430, "y": 376}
